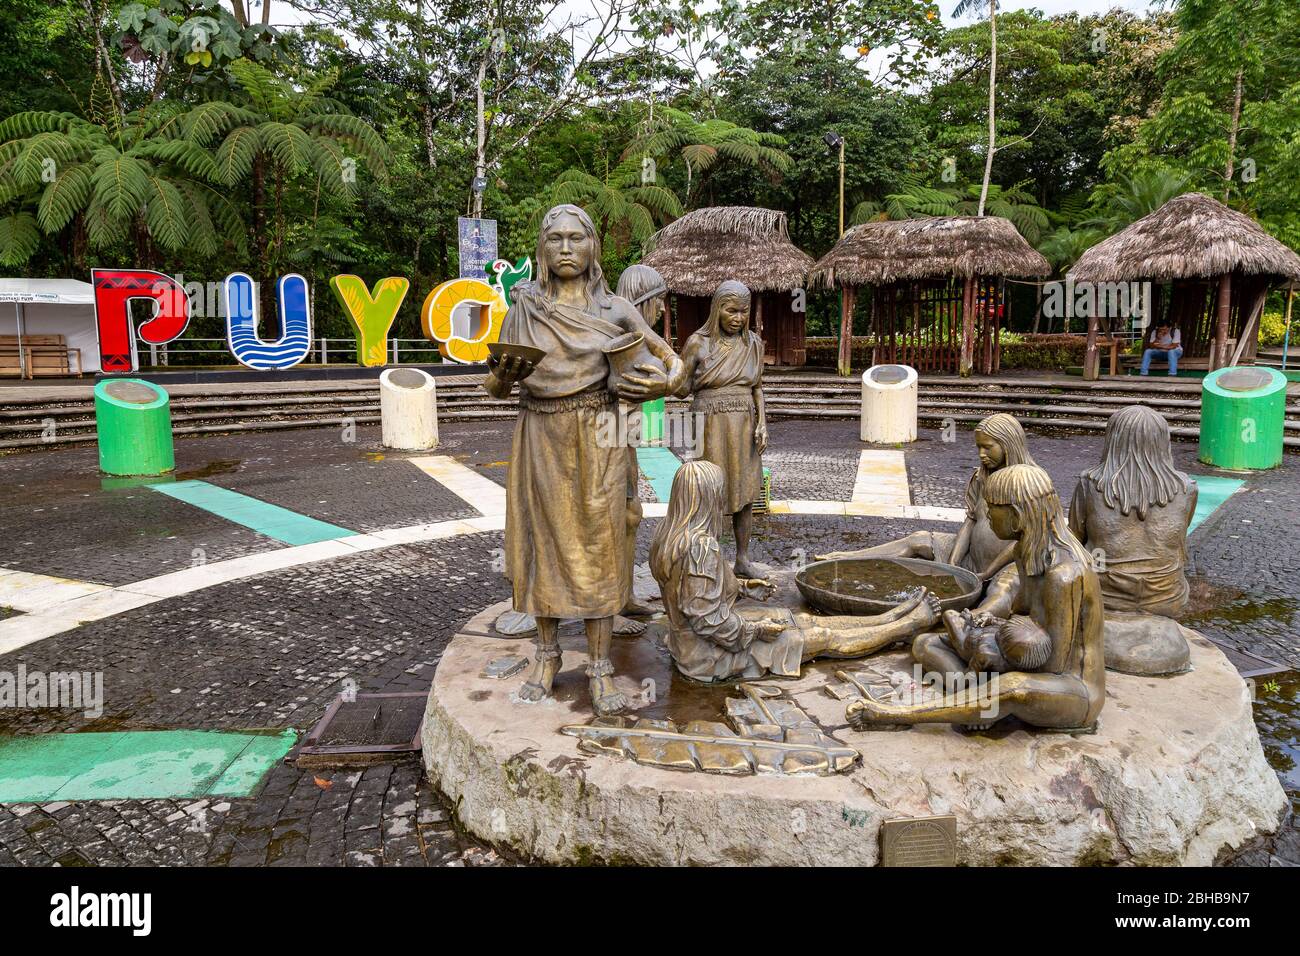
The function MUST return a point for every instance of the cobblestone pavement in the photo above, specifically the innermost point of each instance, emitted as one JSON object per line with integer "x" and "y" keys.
{"x": 272, "y": 651}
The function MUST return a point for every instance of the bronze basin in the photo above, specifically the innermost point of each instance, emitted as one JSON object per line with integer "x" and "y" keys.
{"x": 869, "y": 585}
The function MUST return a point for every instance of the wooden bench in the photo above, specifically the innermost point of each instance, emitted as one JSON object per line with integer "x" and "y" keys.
{"x": 43, "y": 355}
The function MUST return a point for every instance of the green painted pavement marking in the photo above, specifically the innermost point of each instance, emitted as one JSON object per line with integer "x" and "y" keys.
{"x": 137, "y": 765}
{"x": 1211, "y": 492}
{"x": 270, "y": 520}
{"x": 659, "y": 466}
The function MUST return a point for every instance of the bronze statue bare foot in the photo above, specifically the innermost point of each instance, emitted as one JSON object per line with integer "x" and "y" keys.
{"x": 868, "y": 712}
{"x": 927, "y": 606}
{"x": 748, "y": 570}
{"x": 634, "y": 608}
{"x": 606, "y": 700}
{"x": 538, "y": 685}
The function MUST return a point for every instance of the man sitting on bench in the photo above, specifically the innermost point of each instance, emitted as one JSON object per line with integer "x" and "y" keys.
{"x": 1164, "y": 342}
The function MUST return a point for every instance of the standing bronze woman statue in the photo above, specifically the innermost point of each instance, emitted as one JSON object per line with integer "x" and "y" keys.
{"x": 724, "y": 369}
{"x": 566, "y": 493}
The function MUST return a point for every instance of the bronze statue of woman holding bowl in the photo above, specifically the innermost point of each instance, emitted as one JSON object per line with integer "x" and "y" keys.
{"x": 566, "y": 491}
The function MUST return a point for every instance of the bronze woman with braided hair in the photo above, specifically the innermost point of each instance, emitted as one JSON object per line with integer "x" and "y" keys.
{"x": 1049, "y": 656}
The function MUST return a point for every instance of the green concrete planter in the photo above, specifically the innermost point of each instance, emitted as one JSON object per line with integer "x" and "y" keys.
{"x": 1243, "y": 409}
{"x": 133, "y": 420}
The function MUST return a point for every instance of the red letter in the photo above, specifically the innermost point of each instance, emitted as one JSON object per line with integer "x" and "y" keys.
{"x": 114, "y": 289}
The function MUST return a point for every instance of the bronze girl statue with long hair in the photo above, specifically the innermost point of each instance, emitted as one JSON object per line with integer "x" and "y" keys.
{"x": 1000, "y": 441}
{"x": 724, "y": 371}
{"x": 708, "y": 639}
{"x": 566, "y": 493}
{"x": 1048, "y": 656}
{"x": 1134, "y": 509}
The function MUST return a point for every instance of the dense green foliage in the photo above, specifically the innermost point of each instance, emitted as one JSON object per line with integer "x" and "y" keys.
{"x": 193, "y": 137}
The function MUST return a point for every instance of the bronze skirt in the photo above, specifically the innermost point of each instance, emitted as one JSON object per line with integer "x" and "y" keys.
{"x": 729, "y": 423}
{"x": 566, "y": 500}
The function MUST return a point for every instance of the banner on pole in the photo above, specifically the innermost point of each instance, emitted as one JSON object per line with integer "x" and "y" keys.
{"x": 478, "y": 246}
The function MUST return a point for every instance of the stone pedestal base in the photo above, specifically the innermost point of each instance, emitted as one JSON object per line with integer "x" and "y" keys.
{"x": 1174, "y": 773}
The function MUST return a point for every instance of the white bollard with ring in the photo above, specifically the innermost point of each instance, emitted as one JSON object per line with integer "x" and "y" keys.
{"x": 889, "y": 394}
{"x": 408, "y": 409}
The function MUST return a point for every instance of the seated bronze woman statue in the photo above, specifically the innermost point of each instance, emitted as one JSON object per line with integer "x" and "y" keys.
{"x": 1132, "y": 512}
{"x": 1048, "y": 657}
{"x": 709, "y": 640}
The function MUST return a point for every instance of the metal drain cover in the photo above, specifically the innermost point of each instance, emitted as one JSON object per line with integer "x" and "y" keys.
{"x": 372, "y": 728}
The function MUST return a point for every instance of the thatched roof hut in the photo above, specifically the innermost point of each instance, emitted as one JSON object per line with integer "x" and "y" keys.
{"x": 697, "y": 252}
{"x": 957, "y": 247}
{"x": 1218, "y": 265}
{"x": 936, "y": 286}
{"x": 1190, "y": 237}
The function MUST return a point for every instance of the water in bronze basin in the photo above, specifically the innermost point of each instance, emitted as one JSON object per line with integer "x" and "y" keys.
{"x": 874, "y": 585}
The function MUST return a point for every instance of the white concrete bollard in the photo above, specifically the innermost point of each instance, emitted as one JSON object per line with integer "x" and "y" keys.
{"x": 408, "y": 409}
{"x": 889, "y": 404}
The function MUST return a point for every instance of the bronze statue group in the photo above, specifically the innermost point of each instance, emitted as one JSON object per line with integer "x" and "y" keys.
{"x": 1049, "y": 577}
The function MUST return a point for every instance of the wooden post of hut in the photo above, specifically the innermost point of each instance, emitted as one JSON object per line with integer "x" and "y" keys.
{"x": 967, "y": 328}
{"x": 847, "y": 302}
{"x": 1223, "y": 317}
{"x": 1091, "y": 360}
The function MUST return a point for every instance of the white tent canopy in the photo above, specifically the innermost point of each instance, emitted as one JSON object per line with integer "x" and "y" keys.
{"x": 54, "y": 307}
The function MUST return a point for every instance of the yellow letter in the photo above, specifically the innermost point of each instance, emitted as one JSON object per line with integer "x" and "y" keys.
{"x": 371, "y": 316}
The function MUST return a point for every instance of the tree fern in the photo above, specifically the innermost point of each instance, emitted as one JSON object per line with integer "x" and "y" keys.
{"x": 64, "y": 198}
{"x": 19, "y": 238}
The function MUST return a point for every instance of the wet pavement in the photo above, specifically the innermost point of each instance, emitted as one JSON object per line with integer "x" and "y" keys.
{"x": 272, "y": 650}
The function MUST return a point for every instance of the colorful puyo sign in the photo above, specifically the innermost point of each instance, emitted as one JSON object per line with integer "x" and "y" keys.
{"x": 462, "y": 315}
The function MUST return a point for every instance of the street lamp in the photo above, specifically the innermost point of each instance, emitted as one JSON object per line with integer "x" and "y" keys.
{"x": 834, "y": 140}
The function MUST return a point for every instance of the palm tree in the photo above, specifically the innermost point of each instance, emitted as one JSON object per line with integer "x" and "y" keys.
{"x": 114, "y": 178}
{"x": 1131, "y": 197}
{"x": 669, "y": 133}
{"x": 281, "y": 136}
{"x": 1064, "y": 246}
{"x": 620, "y": 204}
{"x": 916, "y": 200}
{"x": 970, "y": 6}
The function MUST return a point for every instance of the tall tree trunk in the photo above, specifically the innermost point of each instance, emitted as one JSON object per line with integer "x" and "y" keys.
{"x": 480, "y": 151}
{"x": 105, "y": 59}
{"x": 261, "y": 241}
{"x": 1232, "y": 138}
{"x": 993, "y": 85}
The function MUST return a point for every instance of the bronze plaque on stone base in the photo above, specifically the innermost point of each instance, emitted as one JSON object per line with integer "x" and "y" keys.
{"x": 919, "y": 841}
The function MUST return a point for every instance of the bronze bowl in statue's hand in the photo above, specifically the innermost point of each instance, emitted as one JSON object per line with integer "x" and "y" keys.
{"x": 528, "y": 354}
{"x": 625, "y": 353}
